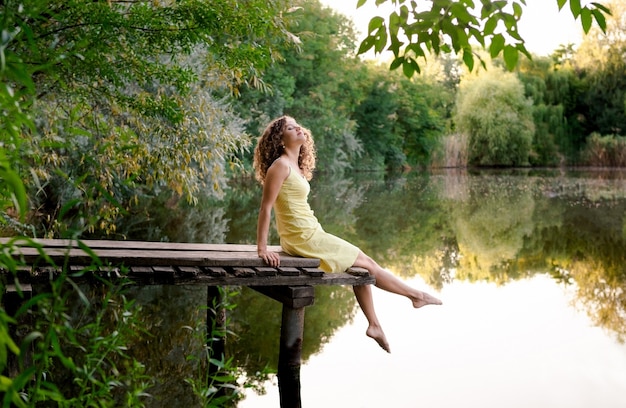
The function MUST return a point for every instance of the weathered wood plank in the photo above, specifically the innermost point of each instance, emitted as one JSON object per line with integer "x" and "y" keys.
{"x": 158, "y": 257}
{"x": 159, "y": 263}
{"x": 145, "y": 245}
{"x": 211, "y": 276}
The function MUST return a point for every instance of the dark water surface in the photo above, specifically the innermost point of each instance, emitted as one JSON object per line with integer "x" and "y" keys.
{"x": 531, "y": 266}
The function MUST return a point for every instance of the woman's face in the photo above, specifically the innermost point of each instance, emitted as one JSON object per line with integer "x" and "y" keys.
{"x": 292, "y": 133}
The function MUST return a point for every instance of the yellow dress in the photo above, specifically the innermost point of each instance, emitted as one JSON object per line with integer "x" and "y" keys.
{"x": 301, "y": 233}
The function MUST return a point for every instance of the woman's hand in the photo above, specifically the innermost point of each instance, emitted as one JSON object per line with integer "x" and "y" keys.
{"x": 270, "y": 258}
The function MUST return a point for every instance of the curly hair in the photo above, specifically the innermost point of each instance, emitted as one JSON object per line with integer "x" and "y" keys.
{"x": 269, "y": 148}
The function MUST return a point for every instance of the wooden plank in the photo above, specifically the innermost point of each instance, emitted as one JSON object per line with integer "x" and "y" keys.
{"x": 347, "y": 279}
{"x": 266, "y": 271}
{"x": 215, "y": 271}
{"x": 357, "y": 271}
{"x": 144, "y": 245}
{"x": 211, "y": 276}
{"x": 189, "y": 270}
{"x": 19, "y": 288}
{"x": 229, "y": 280}
{"x": 159, "y": 257}
{"x": 171, "y": 266}
{"x": 243, "y": 272}
{"x": 287, "y": 270}
{"x": 314, "y": 272}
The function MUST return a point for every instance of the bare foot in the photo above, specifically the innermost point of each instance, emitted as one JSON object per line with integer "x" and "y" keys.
{"x": 424, "y": 299}
{"x": 378, "y": 335}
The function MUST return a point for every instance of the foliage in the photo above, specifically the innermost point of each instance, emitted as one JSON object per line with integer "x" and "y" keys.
{"x": 603, "y": 69}
{"x": 420, "y": 118}
{"x": 375, "y": 116}
{"x": 68, "y": 355}
{"x": 549, "y": 90}
{"x": 486, "y": 228}
{"x": 315, "y": 83}
{"x": 84, "y": 345}
{"x": 493, "y": 111}
{"x": 607, "y": 150}
{"x": 415, "y": 30}
{"x": 16, "y": 89}
{"x": 125, "y": 98}
{"x": 399, "y": 119}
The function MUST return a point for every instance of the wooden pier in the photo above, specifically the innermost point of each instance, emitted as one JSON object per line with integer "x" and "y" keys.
{"x": 212, "y": 265}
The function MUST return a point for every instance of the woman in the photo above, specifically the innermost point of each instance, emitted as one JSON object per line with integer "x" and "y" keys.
{"x": 284, "y": 159}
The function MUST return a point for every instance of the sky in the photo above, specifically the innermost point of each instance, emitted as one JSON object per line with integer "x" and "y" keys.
{"x": 543, "y": 27}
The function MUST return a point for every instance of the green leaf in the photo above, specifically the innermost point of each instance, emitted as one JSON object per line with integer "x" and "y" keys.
{"x": 517, "y": 10}
{"x": 585, "y": 18}
{"x": 490, "y": 26}
{"x": 459, "y": 11}
{"x": 395, "y": 45}
{"x": 601, "y": 7}
{"x": 407, "y": 68}
{"x": 394, "y": 24}
{"x": 474, "y": 32}
{"x": 511, "y": 55}
{"x": 15, "y": 185}
{"x": 561, "y": 3}
{"x": 600, "y": 19}
{"x": 366, "y": 44}
{"x": 360, "y": 3}
{"x": 396, "y": 63}
{"x": 375, "y": 24}
{"x": 497, "y": 44}
{"x": 380, "y": 41}
{"x": 468, "y": 58}
{"x": 574, "y": 5}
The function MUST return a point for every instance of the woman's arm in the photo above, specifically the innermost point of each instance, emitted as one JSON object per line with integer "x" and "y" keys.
{"x": 276, "y": 175}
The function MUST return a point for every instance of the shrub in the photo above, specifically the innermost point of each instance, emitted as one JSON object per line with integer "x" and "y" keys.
{"x": 493, "y": 111}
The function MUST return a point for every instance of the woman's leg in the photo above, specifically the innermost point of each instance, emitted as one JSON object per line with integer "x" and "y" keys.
{"x": 363, "y": 295}
{"x": 389, "y": 282}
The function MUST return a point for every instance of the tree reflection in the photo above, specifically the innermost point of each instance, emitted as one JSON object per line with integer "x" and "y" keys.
{"x": 500, "y": 226}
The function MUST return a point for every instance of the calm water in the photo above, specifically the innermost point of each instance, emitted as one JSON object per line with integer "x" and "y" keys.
{"x": 531, "y": 266}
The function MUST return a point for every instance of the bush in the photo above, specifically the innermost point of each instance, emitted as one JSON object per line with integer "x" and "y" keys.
{"x": 605, "y": 151}
{"x": 493, "y": 111}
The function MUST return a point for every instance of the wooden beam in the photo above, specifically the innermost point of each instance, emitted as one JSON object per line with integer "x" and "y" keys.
{"x": 142, "y": 245}
{"x": 291, "y": 296}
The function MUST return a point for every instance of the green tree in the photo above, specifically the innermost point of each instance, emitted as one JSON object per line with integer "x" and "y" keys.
{"x": 316, "y": 83}
{"x": 550, "y": 90}
{"x": 415, "y": 30}
{"x": 497, "y": 117}
{"x": 603, "y": 70}
{"x": 423, "y": 106}
{"x": 375, "y": 117}
{"x": 123, "y": 100}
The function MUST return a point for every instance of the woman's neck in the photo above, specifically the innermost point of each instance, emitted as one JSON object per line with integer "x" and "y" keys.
{"x": 291, "y": 155}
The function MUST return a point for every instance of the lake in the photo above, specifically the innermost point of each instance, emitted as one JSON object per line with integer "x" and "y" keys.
{"x": 530, "y": 265}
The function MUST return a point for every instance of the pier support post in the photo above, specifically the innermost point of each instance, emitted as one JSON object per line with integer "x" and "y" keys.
{"x": 289, "y": 359}
{"x": 294, "y": 300}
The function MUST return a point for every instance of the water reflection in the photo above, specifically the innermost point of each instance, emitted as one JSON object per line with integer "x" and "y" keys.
{"x": 492, "y": 227}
